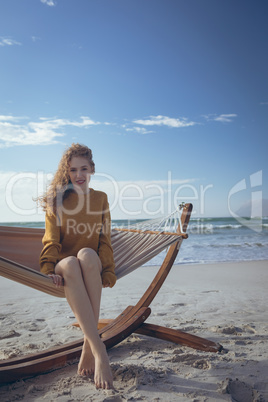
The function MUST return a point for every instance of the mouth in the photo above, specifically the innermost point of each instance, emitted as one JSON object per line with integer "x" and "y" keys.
{"x": 80, "y": 182}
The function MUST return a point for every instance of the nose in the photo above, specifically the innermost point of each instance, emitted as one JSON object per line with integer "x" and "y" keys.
{"x": 79, "y": 173}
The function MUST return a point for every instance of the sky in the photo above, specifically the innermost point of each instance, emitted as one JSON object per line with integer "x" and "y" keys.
{"x": 170, "y": 95}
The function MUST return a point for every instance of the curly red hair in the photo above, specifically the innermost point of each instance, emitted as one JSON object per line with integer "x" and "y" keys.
{"x": 61, "y": 181}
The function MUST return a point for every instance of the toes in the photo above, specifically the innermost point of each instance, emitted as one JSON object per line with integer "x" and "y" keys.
{"x": 83, "y": 372}
{"x": 103, "y": 385}
{"x": 107, "y": 385}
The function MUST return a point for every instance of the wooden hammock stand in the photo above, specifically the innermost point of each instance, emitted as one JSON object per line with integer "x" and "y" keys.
{"x": 112, "y": 332}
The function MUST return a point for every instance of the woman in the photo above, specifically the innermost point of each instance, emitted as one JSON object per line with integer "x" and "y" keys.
{"x": 77, "y": 252}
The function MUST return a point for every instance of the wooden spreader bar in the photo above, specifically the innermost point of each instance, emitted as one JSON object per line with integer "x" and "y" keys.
{"x": 183, "y": 235}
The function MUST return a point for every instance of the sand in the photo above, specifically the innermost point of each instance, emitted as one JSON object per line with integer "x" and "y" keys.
{"x": 225, "y": 302}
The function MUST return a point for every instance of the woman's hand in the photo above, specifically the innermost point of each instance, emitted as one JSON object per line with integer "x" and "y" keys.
{"x": 57, "y": 280}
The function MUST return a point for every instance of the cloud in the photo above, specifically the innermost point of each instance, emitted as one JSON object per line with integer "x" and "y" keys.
{"x": 49, "y": 2}
{"x": 8, "y": 118}
{"x": 140, "y": 130}
{"x": 222, "y": 118}
{"x": 43, "y": 132}
{"x": 225, "y": 118}
{"x": 165, "y": 121}
{"x": 35, "y": 38}
{"x": 57, "y": 123}
{"x": 8, "y": 42}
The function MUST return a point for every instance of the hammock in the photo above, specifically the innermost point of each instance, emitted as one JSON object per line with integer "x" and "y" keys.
{"x": 20, "y": 249}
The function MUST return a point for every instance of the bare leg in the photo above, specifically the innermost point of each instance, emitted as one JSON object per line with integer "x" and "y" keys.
{"x": 79, "y": 300}
{"x": 91, "y": 269}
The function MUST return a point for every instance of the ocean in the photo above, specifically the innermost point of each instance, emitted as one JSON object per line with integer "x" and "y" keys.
{"x": 210, "y": 240}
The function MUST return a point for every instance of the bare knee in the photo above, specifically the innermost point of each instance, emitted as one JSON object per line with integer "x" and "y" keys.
{"x": 86, "y": 252}
{"x": 68, "y": 267}
{"x": 89, "y": 259}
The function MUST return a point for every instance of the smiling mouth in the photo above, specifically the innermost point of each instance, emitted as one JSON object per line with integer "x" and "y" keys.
{"x": 80, "y": 181}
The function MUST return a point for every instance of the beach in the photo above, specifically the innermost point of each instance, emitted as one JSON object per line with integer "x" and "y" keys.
{"x": 223, "y": 302}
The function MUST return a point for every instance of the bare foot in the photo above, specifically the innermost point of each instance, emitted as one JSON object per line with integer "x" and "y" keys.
{"x": 86, "y": 366}
{"x": 103, "y": 376}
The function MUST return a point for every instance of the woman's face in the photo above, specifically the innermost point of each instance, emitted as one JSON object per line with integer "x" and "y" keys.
{"x": 79, "y": 172}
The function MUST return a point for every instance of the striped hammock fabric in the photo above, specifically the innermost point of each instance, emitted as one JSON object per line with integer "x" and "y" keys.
{"x": 20, "y": 249}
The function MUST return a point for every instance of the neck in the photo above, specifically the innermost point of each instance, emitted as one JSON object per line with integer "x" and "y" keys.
{"x": 80, "y": 191}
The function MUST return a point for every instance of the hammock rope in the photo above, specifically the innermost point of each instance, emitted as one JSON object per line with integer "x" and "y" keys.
{"x": 169, "y": 223}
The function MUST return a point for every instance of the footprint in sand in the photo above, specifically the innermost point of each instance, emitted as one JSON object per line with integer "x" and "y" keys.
{"x": 210, "y": 291}
{"x": 191, "y": 360}
{"x": 136, "y": 375}
{"x": 249, "y": 329}
{"x": 239, "y": 391}
{"x": 114, "y": 398}
{"x": 230, "y": 330}
{"x": 33, "y": 326}
{"x": 9, "y": 334}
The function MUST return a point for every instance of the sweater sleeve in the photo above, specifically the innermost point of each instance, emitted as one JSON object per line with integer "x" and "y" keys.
{"x": 105, "y": 250}
{"x": 51, "y": 241}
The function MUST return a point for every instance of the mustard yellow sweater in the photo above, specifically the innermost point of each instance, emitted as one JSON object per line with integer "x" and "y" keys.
{"x": 82, "y": 221}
